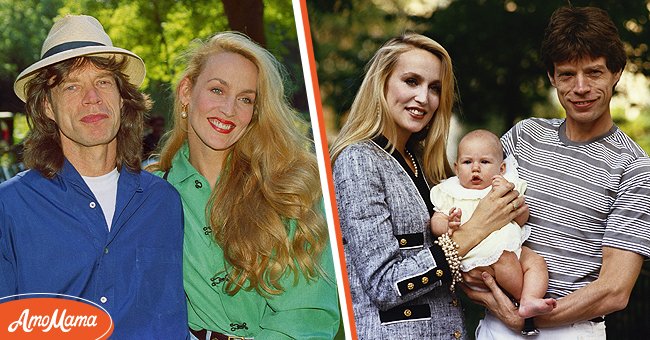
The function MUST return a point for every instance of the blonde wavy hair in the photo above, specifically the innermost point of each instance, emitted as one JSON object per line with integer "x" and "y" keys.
{"x": 370, "y": 116}
{"x": 270, "y": 180}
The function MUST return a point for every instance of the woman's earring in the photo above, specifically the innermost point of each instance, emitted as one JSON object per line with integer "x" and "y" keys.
{"x": 184, "y": 111}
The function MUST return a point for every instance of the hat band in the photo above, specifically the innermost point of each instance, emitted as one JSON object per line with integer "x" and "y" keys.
{"x": 69, "y": 46}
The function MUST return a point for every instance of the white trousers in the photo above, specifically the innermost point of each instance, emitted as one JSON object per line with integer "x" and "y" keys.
{"x": 491, "y": 328}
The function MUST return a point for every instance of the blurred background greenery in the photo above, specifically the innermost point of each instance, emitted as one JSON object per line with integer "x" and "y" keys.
{"x": 494, "y": 45}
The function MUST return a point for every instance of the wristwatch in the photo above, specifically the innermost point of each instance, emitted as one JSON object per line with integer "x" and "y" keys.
{"x": 529, "y": 328}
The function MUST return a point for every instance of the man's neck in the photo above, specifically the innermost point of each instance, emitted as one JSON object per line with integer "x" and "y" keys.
{"x": 588, "y": 131}
{"x": 92, "y": 161}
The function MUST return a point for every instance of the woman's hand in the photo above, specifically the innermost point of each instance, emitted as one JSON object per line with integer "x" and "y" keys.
{"x": 522, "y": 217}
{"x": 496, "y": 301}
{"x": 500, "y": 206}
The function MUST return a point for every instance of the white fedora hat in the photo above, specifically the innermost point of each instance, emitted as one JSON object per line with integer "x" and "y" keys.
{"x": 75, "y": 36}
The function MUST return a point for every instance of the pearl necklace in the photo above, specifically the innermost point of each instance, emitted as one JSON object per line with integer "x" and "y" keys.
{"x": 415, "y": 165}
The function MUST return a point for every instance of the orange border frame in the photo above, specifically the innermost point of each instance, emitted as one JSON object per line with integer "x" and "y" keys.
{"x": 328, "y": 166}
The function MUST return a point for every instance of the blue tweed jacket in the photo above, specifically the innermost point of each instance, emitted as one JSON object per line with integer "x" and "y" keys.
{"x": 399, "y": 280}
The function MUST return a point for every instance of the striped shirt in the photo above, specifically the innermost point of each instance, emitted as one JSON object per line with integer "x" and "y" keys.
{"x": 582, "y": 197}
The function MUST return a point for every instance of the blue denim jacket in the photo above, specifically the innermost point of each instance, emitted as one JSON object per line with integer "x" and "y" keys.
{"x": 54, "y": 239}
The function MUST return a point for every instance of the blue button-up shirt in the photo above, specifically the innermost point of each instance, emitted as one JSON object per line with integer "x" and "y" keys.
{"x": 54, "y": 239}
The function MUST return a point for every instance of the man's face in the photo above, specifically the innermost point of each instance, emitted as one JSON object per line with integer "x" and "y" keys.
{"x": 584, "y": 88}
{"x": 86, "y": 107}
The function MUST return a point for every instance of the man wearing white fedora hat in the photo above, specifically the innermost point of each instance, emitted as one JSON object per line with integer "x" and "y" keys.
{"x": 84, "y": 220}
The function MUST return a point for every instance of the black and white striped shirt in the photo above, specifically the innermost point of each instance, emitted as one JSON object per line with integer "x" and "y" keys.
{"x": 582, "y": 197}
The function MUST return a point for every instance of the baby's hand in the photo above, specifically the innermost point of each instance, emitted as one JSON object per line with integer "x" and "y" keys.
{"x": 454, "y": 220}
{"x": 498, "y": 180}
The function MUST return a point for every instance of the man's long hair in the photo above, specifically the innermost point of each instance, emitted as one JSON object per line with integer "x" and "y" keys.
{"x": 43, "y": 150}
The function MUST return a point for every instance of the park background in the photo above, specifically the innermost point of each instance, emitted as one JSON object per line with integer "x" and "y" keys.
{"x": 494, "y": 45}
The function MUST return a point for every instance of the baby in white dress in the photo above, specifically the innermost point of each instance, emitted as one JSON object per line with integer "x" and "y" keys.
{"x": 479, "y": 166}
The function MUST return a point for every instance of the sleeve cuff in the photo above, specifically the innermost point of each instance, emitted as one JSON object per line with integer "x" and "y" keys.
{"x": 443, "y": 272}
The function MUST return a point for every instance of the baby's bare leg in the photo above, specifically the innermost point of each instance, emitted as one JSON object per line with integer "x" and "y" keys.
{"x": 508, "y": 274}
{"x": 532, "y": 301}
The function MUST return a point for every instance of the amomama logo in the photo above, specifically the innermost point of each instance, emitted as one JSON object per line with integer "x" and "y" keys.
{"x": 60, "y": 317}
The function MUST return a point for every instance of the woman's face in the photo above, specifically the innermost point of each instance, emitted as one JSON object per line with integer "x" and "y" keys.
{"x": 413, "y": 91}
{"x": 221, "y": 102}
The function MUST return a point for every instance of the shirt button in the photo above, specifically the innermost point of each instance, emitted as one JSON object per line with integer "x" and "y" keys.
{"x": 454, "y": 302}
{"x": 425, "y": 280}
{"x": 457, "y": 334}
{"x": 198, "y": 184}
{"x": 410, "y": 286}
{"x": 92, "y": 205}
{"x": 439, "y": 273}
{"x": 103, "y": 299}
{"x": 402, "y": 242}
{"x": 106, "y": 250}
{"x": 408, "y": 313}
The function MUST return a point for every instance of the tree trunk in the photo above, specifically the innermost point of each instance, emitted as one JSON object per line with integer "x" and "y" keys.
{"x": 246, "y": 16}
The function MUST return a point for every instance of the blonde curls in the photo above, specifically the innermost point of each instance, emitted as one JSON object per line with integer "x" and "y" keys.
{"x": 370, "y": 116}
{"x": 265, "y": 211}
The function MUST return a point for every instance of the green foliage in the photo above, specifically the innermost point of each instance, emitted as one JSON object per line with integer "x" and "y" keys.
{"x": 496, "y": 58}
{"x": 281, "y": 40}
{"x": 280, "y": 27}
{"x": 24, "y": 25}
{"x": 20, "y": 128}
{"x": 158, "y": 31}
{"x": 636, "y": 127}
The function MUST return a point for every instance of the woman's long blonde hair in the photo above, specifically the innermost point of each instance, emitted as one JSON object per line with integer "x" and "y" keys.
{"x": 270, "y": 180}
{"x": 369, "y": 115}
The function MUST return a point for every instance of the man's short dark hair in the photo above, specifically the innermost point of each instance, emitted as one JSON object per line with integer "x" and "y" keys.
{"x": 574, "y": 33}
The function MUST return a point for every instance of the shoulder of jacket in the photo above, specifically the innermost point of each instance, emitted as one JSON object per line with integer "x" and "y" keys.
{"x": 149, "y": 181}
{"x": 363, "y": 148}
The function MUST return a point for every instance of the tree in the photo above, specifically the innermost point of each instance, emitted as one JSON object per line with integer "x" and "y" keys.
{"x": 24, "y": 25}
{"x": 246, "y": 16}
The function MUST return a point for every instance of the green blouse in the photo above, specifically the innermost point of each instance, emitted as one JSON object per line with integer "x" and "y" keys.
{"x": 308, "y": 310}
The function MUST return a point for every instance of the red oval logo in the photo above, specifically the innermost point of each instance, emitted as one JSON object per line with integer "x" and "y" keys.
{"x": 53, "y": 318}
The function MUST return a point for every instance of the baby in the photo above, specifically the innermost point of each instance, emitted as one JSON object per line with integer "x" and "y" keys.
{"x": 480, "y": 165}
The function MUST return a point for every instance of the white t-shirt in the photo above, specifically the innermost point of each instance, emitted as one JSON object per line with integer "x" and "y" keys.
{"x": 104, "y": 188}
